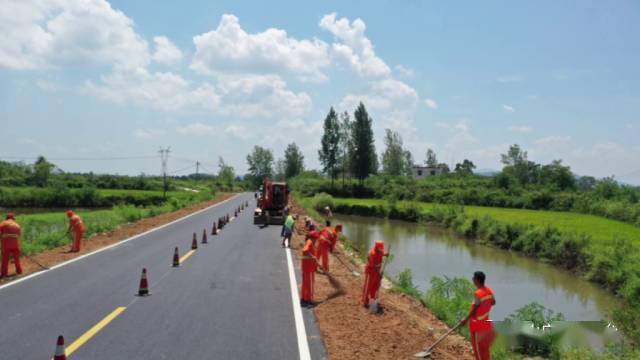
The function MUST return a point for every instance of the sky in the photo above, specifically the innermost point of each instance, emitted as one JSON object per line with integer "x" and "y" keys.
{"x": 102, "y": 85}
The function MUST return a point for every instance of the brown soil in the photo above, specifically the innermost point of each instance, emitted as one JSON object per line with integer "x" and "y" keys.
{"x": 351, "y": 332}
{"x": 58, "y": 255}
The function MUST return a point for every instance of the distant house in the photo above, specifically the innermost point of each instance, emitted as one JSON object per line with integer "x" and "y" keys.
{"x": 420, "y": 171}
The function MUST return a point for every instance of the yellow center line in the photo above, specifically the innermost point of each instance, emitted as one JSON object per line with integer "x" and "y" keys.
{"x": 186, "y": 256}
{"x": 94, "y": 330}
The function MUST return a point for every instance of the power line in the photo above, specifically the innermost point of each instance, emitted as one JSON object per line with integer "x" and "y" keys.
{"x": 80, "y": 159}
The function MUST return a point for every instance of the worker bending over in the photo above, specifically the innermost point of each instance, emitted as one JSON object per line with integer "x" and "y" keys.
{"x": 309, "y": 265}
{"x": 10, "y": 244}
{"x": 334, "y": 240}
{"x": 482, "y": 334}
{"x": 324, "y": 245}
{"x": 372, "y": 274}
{"x": 287, "y": 232}
{"x": 77, "y": 227}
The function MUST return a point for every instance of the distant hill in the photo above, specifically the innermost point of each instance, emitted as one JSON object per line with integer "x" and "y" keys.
{"x": 486, "y": 172}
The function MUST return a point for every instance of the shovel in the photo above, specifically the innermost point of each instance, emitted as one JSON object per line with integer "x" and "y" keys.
{"x": 427, "y": 352}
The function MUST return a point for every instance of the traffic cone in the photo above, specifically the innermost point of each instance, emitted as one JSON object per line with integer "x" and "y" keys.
{"x": 176, "y": 258}
{"x": 227, "y": 219}
{"x": 194, "y": 242}
{"x": 235, "y": 213}
{"x": 214, "y": 229}
{"x": 144, "y": 285}
{"x": 60, "y": 354}
{"x": 204, "y": 236}
{"x": 220, "y": 222}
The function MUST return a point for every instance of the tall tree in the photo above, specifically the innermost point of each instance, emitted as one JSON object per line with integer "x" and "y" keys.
{"x": 260, "y": 163}
{"x": 226, "y": 173}
{"x": 41, "y": 172}
{"x": 431, "y": 160}
{"x": 346, "y": 144}
{"x": 279, "y": 171}
{"x": 393, "y": 157}
{"x": 519, "y": 167}
{"x": 329, "y": 152}
{"x": 293, "y": 161}
{"x": 465, "y": 168}
{"x": 364, "y": 159}
{"x": 408, "y": 163}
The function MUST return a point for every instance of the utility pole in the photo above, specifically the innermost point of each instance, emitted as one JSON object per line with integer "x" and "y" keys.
{"x": 164, "y": 157}
{"x": 197, "y": 168}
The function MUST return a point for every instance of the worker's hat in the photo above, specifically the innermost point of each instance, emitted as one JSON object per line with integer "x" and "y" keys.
{"x": 314, "y": 234}
{"x": 69, "y": 213}
{"x": 339, "y": 227}
{"x": 11, "y": 216}
{"x": 379, "y": 245}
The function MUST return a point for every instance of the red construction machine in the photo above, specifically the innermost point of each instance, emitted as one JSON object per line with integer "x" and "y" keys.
{"x": 273, "y": 198}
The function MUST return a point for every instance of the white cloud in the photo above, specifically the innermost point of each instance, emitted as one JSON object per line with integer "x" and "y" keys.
{"x": 354, "y": 47}
{"x": 508, "y": 108}
{"x": 198, "y": 129}
{"x": 506, "y": 79}
{"x": 431, "y": 104}
{"x": 520, "y": 129}
{"x": 48, "y": 86}
{"x": 166, "y": 52}
{"x": 404, "y": 71}
{"x": 552, "y": 141}
{"x": 238, "y": 131}
{"x": 164, "y": 91}
{"x": 383, "y": 95}
{"x": 231, "y": 49}
{"x": 148, "y": 133}
{"x": 42, "y": 34}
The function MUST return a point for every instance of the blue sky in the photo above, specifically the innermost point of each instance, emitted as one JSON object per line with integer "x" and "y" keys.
{"x": 97, "y": 79}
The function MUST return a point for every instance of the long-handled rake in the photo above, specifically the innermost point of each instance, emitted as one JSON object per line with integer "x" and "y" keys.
{"x": 427, "y": 352}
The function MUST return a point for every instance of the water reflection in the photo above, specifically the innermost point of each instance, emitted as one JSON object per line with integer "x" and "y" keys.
{"x": 516, "y": 280}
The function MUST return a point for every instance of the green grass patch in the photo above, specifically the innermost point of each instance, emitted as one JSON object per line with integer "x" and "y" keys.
{"x": 603, "y": 230}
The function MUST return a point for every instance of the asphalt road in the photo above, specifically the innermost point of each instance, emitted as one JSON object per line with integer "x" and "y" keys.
{"x": 231, "y": 299}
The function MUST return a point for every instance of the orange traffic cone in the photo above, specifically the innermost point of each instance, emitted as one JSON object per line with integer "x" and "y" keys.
{"x": 204, "y": 236}
{"x": 194, "y": 242}
{"x": 176, "y": 258}
{"x": 60, "y": 354}
{"x": 235, "y": 213}
{"x": 227, "y": 219}
{"x": 144, "y": 285}
{"x": 214, "y": 229}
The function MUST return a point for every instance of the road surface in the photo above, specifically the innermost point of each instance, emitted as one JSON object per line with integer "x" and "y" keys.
{"x": 230, "y": 299}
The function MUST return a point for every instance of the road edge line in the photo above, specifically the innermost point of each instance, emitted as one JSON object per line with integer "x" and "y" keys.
{"x": 301, "y": 331}
{"x": 30, "y": 276}
{"x": 95, "y": 329}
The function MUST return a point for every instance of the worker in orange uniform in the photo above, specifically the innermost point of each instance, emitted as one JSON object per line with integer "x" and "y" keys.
{"x": 10, "y": 241}
{"x": 309, "y": 265}
{"x": 482, "y": 334}
{"x": 334, "y": 239}
{"x": 75, "y": 225}
{"x": 373, "y": 276}
{"x": 324, "y": 245}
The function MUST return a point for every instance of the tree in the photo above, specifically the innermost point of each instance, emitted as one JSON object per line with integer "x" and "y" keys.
{"x": 465, "y": 168}
{"x": 41, "y": 172}
{"x": 557, "y": 176}
{"x": 226, "y": 174}
{"x": 346, "y": 144}
{"x": 431, "y": 160}
{"x": 394, "y": 156}
{"x": 518, "y": 166}
{"x": 364, "y": 159}
{"x": 280, "y": 168}
{"x": 260, "y": 163}
{"x": 329, "y": 151}
{"x": 293, "y": 161}
{"x": 408, "y": 163}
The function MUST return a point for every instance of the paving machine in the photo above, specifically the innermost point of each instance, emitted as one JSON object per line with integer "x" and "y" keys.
{"x": 272, "y": 199}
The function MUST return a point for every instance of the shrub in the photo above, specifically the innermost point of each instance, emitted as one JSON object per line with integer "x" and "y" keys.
{"x": 404, "y": 284}
{"x": 322, "y": 200}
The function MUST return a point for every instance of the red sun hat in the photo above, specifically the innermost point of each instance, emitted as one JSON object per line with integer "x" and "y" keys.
{"x": 69, "y": 213}
{"x": 11, "y": 216}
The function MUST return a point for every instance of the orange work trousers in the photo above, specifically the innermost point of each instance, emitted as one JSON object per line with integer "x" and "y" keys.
{"x": 370, "y": 286}
{"x": 6, "y": 253}
{"x": 323, "y": 250}
{"x": 307, "y": 286}
{"x": 77, "y": 241}
{"x": 481, "y": 342}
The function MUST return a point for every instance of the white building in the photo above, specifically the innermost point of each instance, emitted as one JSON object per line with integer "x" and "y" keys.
{"x": 420, "y": 171}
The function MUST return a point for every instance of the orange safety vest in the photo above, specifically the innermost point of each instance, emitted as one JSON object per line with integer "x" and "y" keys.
{"x": 308, "y": 263}
{"x": 480, "y": 320}
{"x": 76, "y": 223}
{"x": 10, "y": 234}
{"x": 374, "y": 262}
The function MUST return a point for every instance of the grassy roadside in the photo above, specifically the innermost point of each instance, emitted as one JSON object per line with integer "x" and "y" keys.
{"x": 47, "y": 230}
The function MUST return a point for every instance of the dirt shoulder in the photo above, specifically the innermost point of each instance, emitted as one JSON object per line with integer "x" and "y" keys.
{"x": 351, "y": 332}
{"x": 61, "y": 254}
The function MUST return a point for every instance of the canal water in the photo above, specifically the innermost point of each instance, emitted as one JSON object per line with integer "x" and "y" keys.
{"x": 517, "y": 281}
